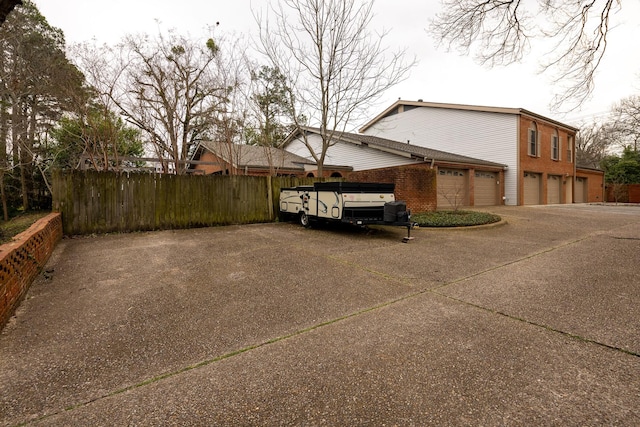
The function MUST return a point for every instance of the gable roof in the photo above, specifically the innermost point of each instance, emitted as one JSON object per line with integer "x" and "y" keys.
{"x": 402, "y": 149}
{"x": 253, "y": 156}
{"x": 589, "y": 168}
{"x": 393, "y": 109}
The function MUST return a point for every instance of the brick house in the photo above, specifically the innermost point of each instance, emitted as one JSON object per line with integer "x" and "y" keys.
{"x": 539, "y": 152}
{"x": 238, "y": 159}
{"x": 425, "y": 178}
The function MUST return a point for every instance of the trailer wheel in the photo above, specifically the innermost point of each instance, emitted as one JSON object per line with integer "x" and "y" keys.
{"x": 304, "y": 219}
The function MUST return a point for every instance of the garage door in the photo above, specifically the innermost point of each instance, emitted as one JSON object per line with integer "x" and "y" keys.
{"x": 554, "y": 184}
{"x": 581, "y": 190}
{"x": 485, "y": 188}
{"x": 452, "y": 188}
{"x": 532, "y": 188}
{"x": 569, "y": 191}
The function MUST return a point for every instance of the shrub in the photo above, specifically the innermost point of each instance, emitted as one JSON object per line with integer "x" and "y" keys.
{"x": 454, "y": 218}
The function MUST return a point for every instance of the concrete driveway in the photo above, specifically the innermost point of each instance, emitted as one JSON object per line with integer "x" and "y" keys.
{"x": 532, "y": 322}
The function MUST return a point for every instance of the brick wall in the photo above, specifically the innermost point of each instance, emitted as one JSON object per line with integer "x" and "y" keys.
{"x": 634, "y": 193}
{"x": 208, "y": 156}
{"x": 625, "y": 193}
{"x": 543, "y": 163}
{"x": 595, "y": 184}
{"x": 22, "y": 259}
{"x": 416, "y": 185}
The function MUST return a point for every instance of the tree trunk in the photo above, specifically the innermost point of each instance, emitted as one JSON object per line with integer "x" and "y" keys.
{"x": 4, "y": 122}
{"x": 23, "y": 186}
{"x": 3, "y": 195}
{"x": 23, "y": 157}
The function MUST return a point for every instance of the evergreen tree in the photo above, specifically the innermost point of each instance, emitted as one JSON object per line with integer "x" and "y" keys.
{"x": 96, "y": 141}
{"x": 624, "y": 169}
{"x": 272, "y": 98}
{"x": 37, "y": 85}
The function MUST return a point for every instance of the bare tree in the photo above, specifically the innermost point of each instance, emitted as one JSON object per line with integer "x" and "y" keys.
{"x": 502, "y": 31}
{"x": 96, "y": 129}
{"x": 171, "y": 92}
{"x": 593, "y": 143}
{"x": 627, "y": 121}
{"x": 333, "y": 64}
{"x": 230, "y": 120}
{"x": 456, "y": 195}
{"x": 167, "y": 86}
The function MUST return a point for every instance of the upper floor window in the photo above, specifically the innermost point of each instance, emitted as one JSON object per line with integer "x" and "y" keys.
{"x": 570, "y": 149}
{"x": 555, "y": 146}
{"x": 532, "y": 142}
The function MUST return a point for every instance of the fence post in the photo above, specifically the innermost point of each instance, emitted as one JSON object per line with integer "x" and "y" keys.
{"x": 270, "y": 196}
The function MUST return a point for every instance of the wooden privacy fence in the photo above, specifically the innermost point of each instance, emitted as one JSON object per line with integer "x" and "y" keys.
{"x": 101, "y": 202}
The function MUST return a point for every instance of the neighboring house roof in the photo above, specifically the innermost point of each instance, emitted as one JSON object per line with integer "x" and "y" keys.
{"x": 591, "y": 168}
{"x": 393, "y": 109}
{"x": 402, "y": 148}
{"x": 252, "y": 156}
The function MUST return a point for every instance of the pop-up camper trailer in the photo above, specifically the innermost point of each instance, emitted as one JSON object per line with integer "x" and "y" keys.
{"x": 357, "y": 203}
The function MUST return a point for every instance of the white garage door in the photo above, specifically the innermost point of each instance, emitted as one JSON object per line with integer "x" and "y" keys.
{"x": 532, "y": 188}
{"x": 581, "y": 190}
{"x": 554, "y": 184}
{"x": 485, "y": 188}
{"x": 452, "y": 188}
{"x": 569, "y": 191}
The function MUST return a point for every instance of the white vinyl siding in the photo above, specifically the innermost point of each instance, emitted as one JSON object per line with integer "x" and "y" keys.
{"x": 482, "y": 135}
{"x": 359, "y": 157}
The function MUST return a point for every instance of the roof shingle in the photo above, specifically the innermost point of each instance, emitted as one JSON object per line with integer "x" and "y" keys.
{"x": 424, "y": 153}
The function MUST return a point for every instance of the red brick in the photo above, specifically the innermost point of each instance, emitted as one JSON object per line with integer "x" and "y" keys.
{"x": 22, "y": 259}
{"x": 416, "y": 185}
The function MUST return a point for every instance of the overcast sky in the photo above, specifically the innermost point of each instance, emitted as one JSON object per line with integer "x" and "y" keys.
{"x": 439, "y": 76}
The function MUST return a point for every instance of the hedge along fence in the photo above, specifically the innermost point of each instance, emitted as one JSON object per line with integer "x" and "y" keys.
{"x": 102, "y": 202}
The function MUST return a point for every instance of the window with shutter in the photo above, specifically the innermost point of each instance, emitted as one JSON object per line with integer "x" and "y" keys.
{"x": 533, "y": 140}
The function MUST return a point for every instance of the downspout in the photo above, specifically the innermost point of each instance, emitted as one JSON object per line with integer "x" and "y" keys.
{"x": 573, "y": 184}
{"x": 518, "y": 167}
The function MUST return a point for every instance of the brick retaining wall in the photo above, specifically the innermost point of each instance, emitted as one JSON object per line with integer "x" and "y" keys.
{"x": 22, "y": 260}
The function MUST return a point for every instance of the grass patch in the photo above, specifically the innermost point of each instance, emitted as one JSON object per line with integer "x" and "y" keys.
{"x": 454, "y": 218}
{"x": 18, "y": 224}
